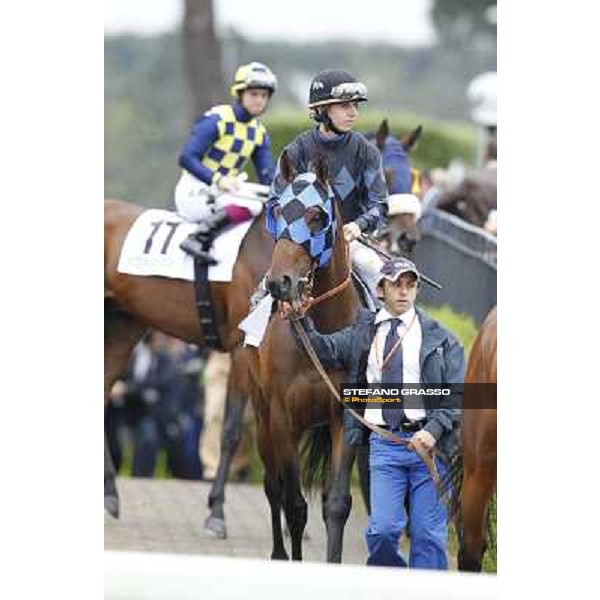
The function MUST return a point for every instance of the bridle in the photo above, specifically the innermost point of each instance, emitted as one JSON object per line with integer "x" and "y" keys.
{"x": 309, "y": 280}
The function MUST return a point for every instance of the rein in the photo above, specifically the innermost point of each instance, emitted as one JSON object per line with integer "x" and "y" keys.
{"x": 333, "y": 291}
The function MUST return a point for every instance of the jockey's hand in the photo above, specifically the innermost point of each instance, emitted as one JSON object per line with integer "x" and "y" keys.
{"x": 351, "y": 231}
{"x": 422, "y": 438}
{"x": 229, "y": 184}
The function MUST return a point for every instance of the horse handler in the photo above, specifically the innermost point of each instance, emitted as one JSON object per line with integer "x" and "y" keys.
{"x": 400, "y": 344}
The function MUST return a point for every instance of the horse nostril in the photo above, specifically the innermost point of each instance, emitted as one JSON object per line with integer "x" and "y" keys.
{"x": 286, "y": 285}
{"x": 280, "y": 288}
{"x": 274, "y": 289}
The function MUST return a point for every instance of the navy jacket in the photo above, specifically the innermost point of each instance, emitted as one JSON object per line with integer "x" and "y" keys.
{"x": 441, "y": 362}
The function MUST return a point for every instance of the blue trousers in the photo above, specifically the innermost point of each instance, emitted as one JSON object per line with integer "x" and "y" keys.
{"x": 396, "y": 472}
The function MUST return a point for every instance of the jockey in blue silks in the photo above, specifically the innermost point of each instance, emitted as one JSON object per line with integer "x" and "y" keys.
{"x": 354, "y": 165}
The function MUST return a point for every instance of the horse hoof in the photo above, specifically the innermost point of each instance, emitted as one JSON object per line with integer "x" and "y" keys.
{"x": 280, "y": 556}
{"x": 215, "y": 528}
{"x": 111, "y": 506}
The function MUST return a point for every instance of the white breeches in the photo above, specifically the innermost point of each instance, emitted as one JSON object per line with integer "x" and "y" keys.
{"x": 194, "y": 203}
{"x": 367, "y": 263}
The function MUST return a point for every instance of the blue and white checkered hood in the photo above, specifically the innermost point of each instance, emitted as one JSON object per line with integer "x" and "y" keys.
{"x": 303, "y": 193}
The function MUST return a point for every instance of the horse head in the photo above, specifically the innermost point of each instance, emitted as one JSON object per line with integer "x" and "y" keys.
{"x": 304, "y": 225}
{"x": 394, "y": 155}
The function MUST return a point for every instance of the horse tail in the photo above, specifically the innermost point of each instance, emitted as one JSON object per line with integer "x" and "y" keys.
{"x": 451, "y": 492}
{"x": 491, "y": 526}
{"x": 315, "y": 456}
{"x": 452, "y": 485}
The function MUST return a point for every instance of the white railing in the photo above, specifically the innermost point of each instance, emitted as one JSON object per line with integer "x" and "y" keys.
{"x": 146, "y": 575}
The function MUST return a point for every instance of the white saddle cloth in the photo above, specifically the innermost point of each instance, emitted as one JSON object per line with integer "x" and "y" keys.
{"x": 152, "y": 248}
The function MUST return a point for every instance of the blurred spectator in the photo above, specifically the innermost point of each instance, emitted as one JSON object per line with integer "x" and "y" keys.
{"x": 187, "y": 395}
{"x": 471, "y": 195}
{"x": 433, "y": 184}
{"x": 114, "y": 423}
{"x": 152, "y": 415}
{"x": 158, "y": 406}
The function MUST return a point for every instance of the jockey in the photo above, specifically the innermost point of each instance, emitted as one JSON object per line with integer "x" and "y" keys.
{"x": 220, "y": 144}
{"x": 354, "y": 165}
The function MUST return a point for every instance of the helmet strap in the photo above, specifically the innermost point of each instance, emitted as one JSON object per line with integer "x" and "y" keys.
{"x": 321, "y": 116}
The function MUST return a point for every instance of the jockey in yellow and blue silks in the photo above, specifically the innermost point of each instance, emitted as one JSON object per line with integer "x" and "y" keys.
{"x": 218, "y": 148}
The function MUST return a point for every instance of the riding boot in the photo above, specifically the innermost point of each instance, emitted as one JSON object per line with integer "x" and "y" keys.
{"x": 198, "y": 243}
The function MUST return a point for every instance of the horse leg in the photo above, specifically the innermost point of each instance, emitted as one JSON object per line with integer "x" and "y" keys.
{"x": 111, "y": 496}
{"x": 339, "y": 500}
{"x": 274, "y": 492}
{"x": 273, "y": 488}
{"x": 121, "y": 334}
{"x": 231, "y": 434}
{"x": 295, "y": 507}
{"x": 477, "y": 489}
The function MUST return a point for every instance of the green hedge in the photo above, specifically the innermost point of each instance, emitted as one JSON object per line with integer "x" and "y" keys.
{"x": 439, "y": 143}
{"x": 141, "y": 150}
{"x": 463, "y": 326}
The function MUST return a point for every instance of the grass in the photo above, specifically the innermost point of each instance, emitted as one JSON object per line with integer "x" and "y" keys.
{"x": 161, "y": 470}
{"x": 463, "y": 326}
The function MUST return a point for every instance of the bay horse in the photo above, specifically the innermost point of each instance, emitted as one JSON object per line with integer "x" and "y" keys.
{"x": 292, "y": 399}
{"x": 401, "y": 233}
{"x": 474, "y": 473}
{"x": 133, "y": 304}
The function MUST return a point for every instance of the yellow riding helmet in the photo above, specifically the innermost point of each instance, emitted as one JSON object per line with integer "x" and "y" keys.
{"x": 253, "y": 75}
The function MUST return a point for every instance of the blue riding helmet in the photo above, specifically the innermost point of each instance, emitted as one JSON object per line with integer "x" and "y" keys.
{"x": 303, "y": 193}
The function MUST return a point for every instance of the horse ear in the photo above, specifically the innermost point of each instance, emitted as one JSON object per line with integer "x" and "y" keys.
{"x": 286, "y": 169}
{"x": 411, "y": 138}
{"x": 322, "y": 170}
{"x": 382, "y": 133}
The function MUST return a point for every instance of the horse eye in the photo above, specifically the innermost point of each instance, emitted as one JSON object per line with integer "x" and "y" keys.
{"x": 315, "y": 219}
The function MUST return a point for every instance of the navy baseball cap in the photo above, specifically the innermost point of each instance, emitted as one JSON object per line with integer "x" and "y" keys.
{"x": 393, "y": 268}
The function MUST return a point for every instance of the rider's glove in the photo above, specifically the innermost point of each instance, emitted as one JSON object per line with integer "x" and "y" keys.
{"x": 351, "y": 231}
